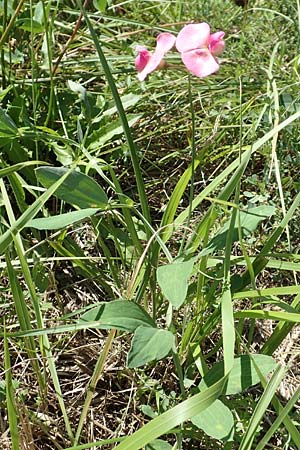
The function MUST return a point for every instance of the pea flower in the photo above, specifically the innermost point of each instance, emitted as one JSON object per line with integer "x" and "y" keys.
{"x": 146, "y": 62}
{"x": 199, "y": 48}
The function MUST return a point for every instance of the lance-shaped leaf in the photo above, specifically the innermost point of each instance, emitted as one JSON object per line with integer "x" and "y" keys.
{"x": 249, "y": 221}
{"x": 62, "y": 220}
{"x": 78, "y": 189}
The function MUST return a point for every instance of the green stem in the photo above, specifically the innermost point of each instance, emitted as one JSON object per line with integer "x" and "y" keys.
{"x": 179, "y": 373}
{"x": 193, "y": 148}
{"x": 7, "y": 30}
{"x": 4, "y": 20}
{"x": 49, "y": 54}
{"x": 93, "y": 384}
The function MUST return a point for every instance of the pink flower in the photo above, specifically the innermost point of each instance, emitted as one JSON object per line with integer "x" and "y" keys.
{"x": 146, "y": 63}
{"x": 199, "y": 48}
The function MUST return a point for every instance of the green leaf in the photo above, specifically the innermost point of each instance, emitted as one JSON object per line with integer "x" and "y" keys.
{"x": 64, "y": 153}
{"x": 30, "y": 213}
{"x": 62, "y": 220}
{"x": 12, "y": 411}
{"x": 128, "y": 100}
{"x": 33, "y": 26}
{"x": 78, "y": 189}
{"x": 8, "y": 128}
{"x": 119, "y": 314}
{"x": 149, "y": 344}
{"x": 159, "y": 444}
{"x": 39, "y": 12}
{"x": 165, "y": 422}
{"x": 249, "y": 221}
{"x": 173, "y": 280}
{"x": 261, "y": 407}
{"x": 216, "y": 421}
{"x": 77, "y": 88}
{"x": 110, "y": 131}
{"x": 11, "y": 169}
{"x": 243, "y": 374}
{"x": 100, "y": 5}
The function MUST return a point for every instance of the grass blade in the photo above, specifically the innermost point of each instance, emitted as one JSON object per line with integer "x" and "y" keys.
{"x": 123, "y": 118}
{"x": 10, "y": 401}
{"x": 175, "y": 416}
{"x": 261, "y": 407}
{"x": 279, "y": 419}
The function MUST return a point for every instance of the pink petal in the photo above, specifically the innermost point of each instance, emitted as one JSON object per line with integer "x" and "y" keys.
{"x": 164, "y": 43}
{"x": 142, "y": 58}
{"x": 200, "y": 62}
{"x": 192, "y": 36}
{"x": 216, "y": 43}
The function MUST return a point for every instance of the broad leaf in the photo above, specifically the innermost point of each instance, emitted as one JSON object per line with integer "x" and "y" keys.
{"x": 249, "y": 221}
{"x": 62, "y": 220}
{"x": 28, "y": 24}
{"x": 78, "y": 189}
{"x": 119, "y": 314}
{"x": 159, "y": 444}
{"x": 149, "y": 344}
{"x": 100, "y": 5}
{"x": 173, "y": 280}
{"x": 243, "y": 374}
{"x": 216, "y": 421}
{"x": 8, "y": 128}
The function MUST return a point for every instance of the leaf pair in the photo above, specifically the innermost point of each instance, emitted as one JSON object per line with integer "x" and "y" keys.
{"x": 149, "y": 343}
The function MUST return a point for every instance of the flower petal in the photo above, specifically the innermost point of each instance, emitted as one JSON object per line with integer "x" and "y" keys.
{"x": 216, "y": 43}
{"x": 164, "y": 43}
{"x": 200, "y": 62}
{"x": 142, "y": 58}
{"x": 192, "y": 36}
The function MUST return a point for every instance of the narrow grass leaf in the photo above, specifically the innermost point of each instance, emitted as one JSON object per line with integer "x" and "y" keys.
{"x": 62, "y": 220}
{"x": 281, "y": 330}
{"x": 268, "y": 315}
{"x": 15, "y": 167}
{"x": 23, "y": 317}
{"x": 261, "y": 407}
{"x": 172, "y": 418}
{"x": 279, "y": 419}
{"x": 12, "y": 412}
{"x": 123, "y": 118}
{"x": 282, "y": 290}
